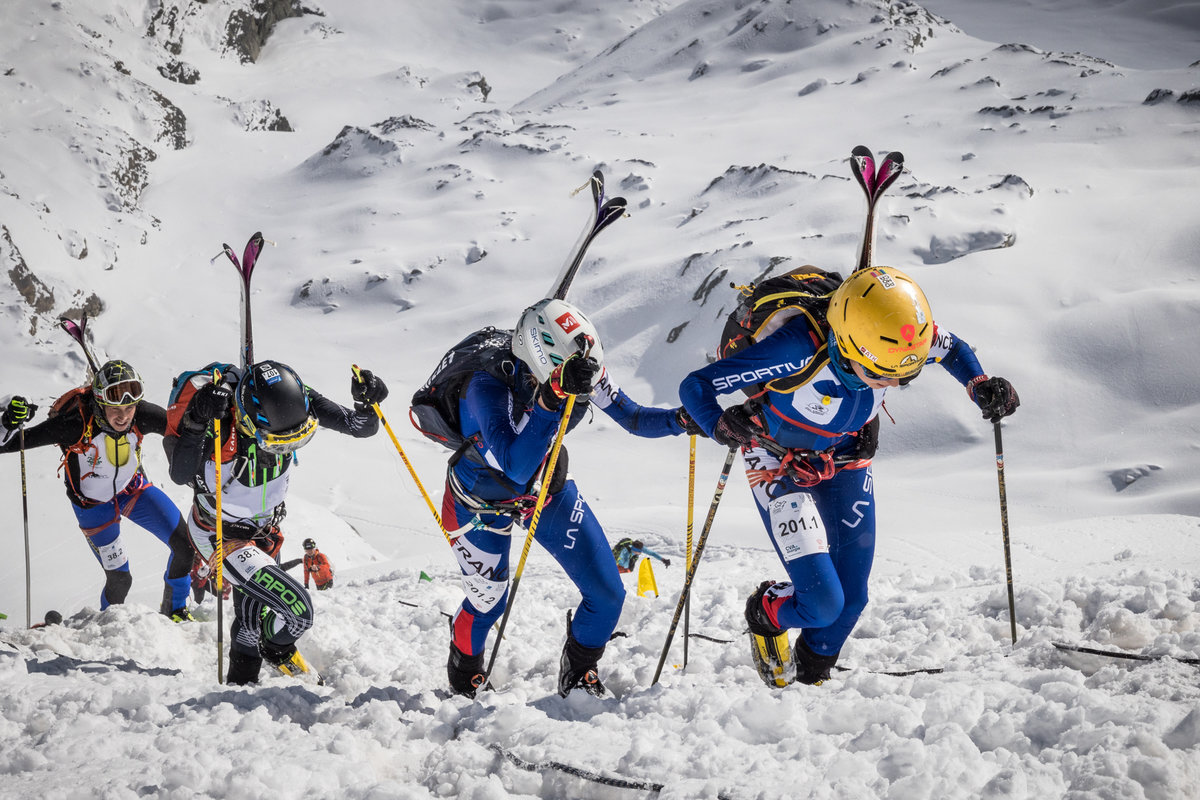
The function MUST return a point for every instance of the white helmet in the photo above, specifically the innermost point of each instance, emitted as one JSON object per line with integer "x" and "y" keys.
{"x": 550, "y": 332}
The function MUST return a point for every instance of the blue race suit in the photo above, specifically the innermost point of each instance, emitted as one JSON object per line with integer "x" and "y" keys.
{"x": 819, "y": 507}
{"x": 492, "y": 482}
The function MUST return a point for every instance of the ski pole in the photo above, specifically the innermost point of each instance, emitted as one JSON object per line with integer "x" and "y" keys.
{"x": 432, "y": 509}
{"x": 25, "y": 514}
{"x": 537, "y": 514}
{"x": 691, "y": 573}
{"x": 1012, "y": 606}
{"x": 687, "y": 608}
{"x": 220, "y": 551}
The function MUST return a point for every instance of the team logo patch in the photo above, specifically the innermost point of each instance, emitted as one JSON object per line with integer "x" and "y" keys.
{"x": 567, "y": 322}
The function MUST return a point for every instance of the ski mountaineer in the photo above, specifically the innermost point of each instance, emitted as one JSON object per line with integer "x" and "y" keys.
{"x": 808, "y": 452}
{"x": 510, "y": 426}
{"x": 100, "y": 429}
{"x": 266, "y": 414}
{"x": 316, "y": 565}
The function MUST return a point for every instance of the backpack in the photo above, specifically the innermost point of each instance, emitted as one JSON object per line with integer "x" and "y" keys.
{"x": 434, "y": 410}
{"x": 763, "y": 309}
{"x": 72, "y": 400}
{"x": 77, "y": 400}
{"x": 183, "y": 387}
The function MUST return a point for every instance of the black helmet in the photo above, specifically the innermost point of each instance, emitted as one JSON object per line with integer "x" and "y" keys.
{"x": 272, "y": 406}
{"x": 115, "y": 384}
{"x": 310, "y": 544}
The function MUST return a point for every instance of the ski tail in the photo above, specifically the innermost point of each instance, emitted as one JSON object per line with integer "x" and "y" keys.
{"x": 862, "y": 165}
{"x": 245, "y": 268}
{"x": 78, "y": 332}
{"x": 602, "y": 214}
{"x": 874, "y": 182}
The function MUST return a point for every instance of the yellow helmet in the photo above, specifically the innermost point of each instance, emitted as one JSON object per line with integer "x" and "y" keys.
{"x": 881, "y": 319}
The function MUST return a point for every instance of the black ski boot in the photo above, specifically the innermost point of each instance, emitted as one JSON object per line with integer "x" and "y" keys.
{"x": 768, "y": 644}
{"x": 577, "y": 667}
{"x": 465, "y": 672}
{"x": 811, "y": 668}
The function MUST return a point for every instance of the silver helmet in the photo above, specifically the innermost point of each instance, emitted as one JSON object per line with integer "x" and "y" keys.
{"x": 551, "y": 331}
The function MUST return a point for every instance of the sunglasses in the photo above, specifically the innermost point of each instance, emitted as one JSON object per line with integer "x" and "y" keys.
{"x": 121, "y": 393}
{"x": 287, "y": 441}
{"x": 873, "y": 375}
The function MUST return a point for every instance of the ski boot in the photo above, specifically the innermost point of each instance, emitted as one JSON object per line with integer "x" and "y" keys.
{"x": 465, "y": 672}
{"x": 287, "y": 659}
{"x": 811, "y": 668}
{"x": 577, "y": 667}
{"x": 768, "y": 643}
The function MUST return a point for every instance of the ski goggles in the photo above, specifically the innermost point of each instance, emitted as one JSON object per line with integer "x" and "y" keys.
{"x": 121, "y": 393}
{"x": 286, "y": 441}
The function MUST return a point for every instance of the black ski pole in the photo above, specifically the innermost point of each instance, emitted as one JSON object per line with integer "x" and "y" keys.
{"x": 1012, "y": 606}
{"x": 687, "y": 583}
{"x": 25, "y": 514}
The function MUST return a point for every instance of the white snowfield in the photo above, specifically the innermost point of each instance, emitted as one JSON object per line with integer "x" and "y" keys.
{"x": 1045, "y": 211}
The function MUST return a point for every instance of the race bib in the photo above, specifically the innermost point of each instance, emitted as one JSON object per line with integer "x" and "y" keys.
{"x": 796, "y": 526}
{"x": 245, "y": 561}
{"x": 479, "y": 570}
{"x": 112, "y": 555}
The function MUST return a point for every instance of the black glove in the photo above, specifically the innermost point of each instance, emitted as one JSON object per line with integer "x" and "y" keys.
{"x": 19, "y": 411}
{"x": 736, "y": 428}
{"x": 995, "y": 397}
{"x": 688, "y": 424}
{"x": 210, "y": 402}
{"x": 369, "y": 389}
{"x": 574, "y": 376}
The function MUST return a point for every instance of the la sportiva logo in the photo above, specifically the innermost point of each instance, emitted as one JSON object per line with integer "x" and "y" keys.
{"x": 567, "y": 322}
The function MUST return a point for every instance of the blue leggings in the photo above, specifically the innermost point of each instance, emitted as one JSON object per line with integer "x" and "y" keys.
{"x": 829, "y": 588}
{"x": 570, "y": 533}
{"x": 147, "y": 506}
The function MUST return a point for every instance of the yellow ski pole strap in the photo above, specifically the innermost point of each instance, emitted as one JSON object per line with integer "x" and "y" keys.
{"x": 411, "y": 471}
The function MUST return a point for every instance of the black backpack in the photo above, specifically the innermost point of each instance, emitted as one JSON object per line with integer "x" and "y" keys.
{"x": 434, "y": 410}
{"x": 764, "y": 307}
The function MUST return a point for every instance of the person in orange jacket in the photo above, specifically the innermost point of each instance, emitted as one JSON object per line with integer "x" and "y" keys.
{"x": 317, "y": 565}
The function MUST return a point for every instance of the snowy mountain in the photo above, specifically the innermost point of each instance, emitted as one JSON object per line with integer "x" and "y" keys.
{"x": 413, "y": 166}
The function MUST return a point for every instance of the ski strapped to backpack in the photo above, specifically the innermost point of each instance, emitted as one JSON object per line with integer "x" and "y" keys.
{"x": 602, "y": 214}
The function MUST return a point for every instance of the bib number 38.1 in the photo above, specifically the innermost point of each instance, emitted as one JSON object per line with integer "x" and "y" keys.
{"x": 796, "y": 526}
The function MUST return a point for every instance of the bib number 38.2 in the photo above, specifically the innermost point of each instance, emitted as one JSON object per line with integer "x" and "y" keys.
{"x": 796, "y": 526}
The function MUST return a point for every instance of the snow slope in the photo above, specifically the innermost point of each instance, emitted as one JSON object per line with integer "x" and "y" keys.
{"x": 1046, "y": 212}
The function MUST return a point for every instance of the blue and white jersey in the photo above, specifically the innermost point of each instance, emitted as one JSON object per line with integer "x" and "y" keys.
{"x": 819, "y": 414}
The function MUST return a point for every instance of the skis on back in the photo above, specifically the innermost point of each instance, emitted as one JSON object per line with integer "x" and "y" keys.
{"x": 874, "y": 183}
{"x": 78, "y": 332}
{"x": 603, "y": 213}
{"x": 245, "y": 268}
